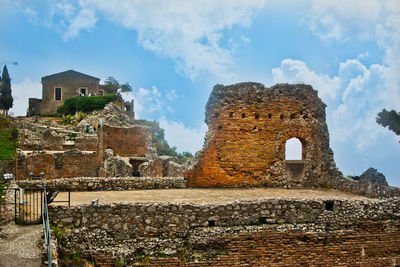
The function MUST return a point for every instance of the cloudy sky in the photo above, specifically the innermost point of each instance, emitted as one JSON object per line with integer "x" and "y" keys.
{"x": 173, "y": 52}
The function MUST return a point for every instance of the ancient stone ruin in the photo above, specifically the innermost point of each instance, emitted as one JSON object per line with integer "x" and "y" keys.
{"x": 248, "y": 126}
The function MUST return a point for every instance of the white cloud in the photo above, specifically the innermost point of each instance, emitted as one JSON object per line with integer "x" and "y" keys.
{"x": 171, "y": 95}
{"x": 21, "y": 92}
{"x": 184, "y": 138}
{"x": 344, "y": 19}
{"x": 377, "y": 20}
{"x": 355, "y": 96}
{"x": 296, "y": 71}
{"x": 151, "y": 103}
{"x": 189, "y": 32}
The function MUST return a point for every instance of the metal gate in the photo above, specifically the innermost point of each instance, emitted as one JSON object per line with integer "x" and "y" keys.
{"x": 28, "y": 205}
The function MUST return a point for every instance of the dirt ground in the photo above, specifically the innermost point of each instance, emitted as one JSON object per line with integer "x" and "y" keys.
{"x": 21, "y": 245}
{"x": 200, "y": 196}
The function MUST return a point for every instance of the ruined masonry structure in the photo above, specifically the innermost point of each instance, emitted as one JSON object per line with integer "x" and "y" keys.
{"x": 248, "y": 126}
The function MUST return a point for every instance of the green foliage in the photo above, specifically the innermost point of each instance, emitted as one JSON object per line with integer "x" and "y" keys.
{"x": 161, "y": 144}
{"x": 48, "y": 115}
{"x": 58, "y": 233}
{"x": 390, "y": 119}
{"x": 74, "y": 119}
{"x": 75, "y": 257}
{"x": 85, "y": 104}
{"x": 111, "y": 86}
{"x": 6, "y": 100}
{"x": 8, "y": 141}
{"x": 2, "y": 187}
{"x": 120, "y": 262}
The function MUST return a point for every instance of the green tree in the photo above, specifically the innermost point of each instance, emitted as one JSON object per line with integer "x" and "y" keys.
{"x": 111, "y": 86}
{"x": 161, "y": 144}
{"x": 390, "y": 119}
{"x": 6, "y": 98}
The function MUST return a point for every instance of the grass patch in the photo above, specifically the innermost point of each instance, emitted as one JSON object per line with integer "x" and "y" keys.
{"x": 8, "y": 143}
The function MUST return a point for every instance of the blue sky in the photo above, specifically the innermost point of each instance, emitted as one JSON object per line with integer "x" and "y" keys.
{"x": 173, "y": 52}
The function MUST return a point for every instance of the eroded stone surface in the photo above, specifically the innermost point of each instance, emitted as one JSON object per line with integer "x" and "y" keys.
{"x": 248, "y": 125}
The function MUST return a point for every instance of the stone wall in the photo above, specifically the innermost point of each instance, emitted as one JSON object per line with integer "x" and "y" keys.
{"x": 107, "y": 183}
{"x": 163, "y": 166}
{"x": 124, "y": 141}
{"x": 7, "y": 166}
{"x": 290, "y": 230}
{"x": 7, "y": 210}
{"x": 248, "y": 126}
{"x": 71, "y": 163}
{"x": 86, "y": 143}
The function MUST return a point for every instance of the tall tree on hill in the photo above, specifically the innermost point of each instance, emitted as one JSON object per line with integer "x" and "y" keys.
{"x": 6, "y": 97}
{"x": 111, "y": 86}
{"x": 390, "y": 119}
{"x": 1, "y": 93}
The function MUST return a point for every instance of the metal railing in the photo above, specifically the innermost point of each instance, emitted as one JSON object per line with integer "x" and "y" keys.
{"x": 46, "y": 227}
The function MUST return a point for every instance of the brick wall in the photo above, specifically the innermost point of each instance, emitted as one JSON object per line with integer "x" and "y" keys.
{"x": 369, "y": 243}
{"x": 71, "y": 163}
{"x": 248, "y": 126}
{"x": 126, "y": 142}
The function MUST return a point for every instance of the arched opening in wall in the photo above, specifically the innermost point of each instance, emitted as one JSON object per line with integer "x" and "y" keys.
{"x": 293, "y": 149}
{"x": 127, "y": 108}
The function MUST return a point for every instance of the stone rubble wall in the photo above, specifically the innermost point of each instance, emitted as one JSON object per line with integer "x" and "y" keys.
{"x": 7, "y": 166}
{"x": 107, "y": 183}
{"x": 131, "y": 229}
{"x": 366, "y": 188}
{"x": 7, "y": 211}
{"x": 162, "y": 166}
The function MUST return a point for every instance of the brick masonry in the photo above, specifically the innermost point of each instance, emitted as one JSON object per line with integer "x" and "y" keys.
{"x": 71, "y": 163}
{"x": 263, "y": 232}
{"x": 124, "y": 141}
{"x": 248, "y": 126}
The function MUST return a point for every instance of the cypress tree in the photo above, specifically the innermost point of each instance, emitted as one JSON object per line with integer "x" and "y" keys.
{"x": 6, "y": 98}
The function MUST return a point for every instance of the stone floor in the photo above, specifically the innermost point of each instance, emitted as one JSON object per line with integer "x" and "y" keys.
{"x": 201, "y": 196}
{"x": 20, "y": 245}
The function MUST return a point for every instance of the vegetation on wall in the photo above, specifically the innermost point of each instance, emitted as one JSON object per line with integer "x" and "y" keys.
{"x": 390, "y": 119}
{"x": 161, "y": 144}
{"x": 8, "y": 139}
{"x": 85, "y": 104}
{"x": 2, "y": 187}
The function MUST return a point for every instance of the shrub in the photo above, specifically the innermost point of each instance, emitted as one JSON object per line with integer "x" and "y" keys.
{"x": 85, "y": 104}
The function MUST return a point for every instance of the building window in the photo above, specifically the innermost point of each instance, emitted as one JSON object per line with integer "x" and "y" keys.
{"x": 82, "y": 91}
{"x": 57, "y": 94}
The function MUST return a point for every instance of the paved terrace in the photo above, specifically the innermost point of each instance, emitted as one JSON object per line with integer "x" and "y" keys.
{"x": 202, "y": 196}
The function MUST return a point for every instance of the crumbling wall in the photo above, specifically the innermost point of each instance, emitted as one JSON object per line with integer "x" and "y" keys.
{"x": 107, "y": 183}
{"x": 52, "y": 141}
{"x": 344, "y": 231}
{"x": 71, "y": 163}
{"x": 248, "y": 126}
{"x": 124, "y": 141}
{"x": 163, "y": 166}
{"x": 86, "y": 143}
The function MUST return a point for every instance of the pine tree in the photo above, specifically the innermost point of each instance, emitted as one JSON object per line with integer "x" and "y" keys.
{"x": 1, "y": 94}
{"x": 6, "y": 97}
{"x": 390, "y": 119}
